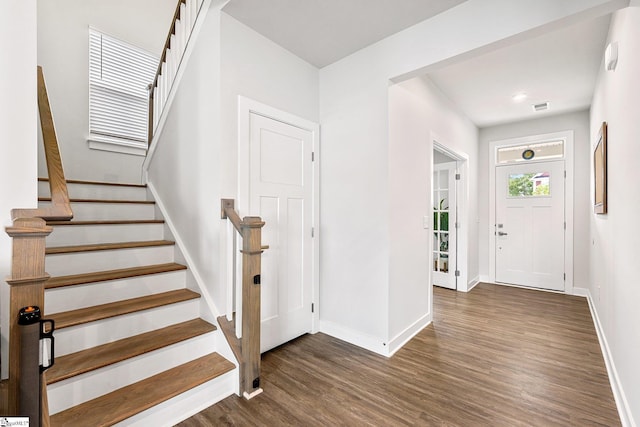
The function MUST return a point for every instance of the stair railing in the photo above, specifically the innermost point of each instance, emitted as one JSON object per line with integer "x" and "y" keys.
{"x": 175, "y": 50}
{"x": 243, "y": 302}
{"x": 29, "y": 230}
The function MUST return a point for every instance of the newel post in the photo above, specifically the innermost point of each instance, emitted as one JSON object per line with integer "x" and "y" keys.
{"x": 251, "y": 254}
{"x": 26, "y": 285}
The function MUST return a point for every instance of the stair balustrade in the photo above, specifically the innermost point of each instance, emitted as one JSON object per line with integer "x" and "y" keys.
{"x": 186, "y": 19}
{"x": 243, "y": 301}
{"x": 29, "y": 230}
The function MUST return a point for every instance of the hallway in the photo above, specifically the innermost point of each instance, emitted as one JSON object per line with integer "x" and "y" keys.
{"x": 499, "y": 356}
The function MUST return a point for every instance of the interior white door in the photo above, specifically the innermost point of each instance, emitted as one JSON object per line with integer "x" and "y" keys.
{"x": 280, "y": 191}
{"x": 444, "y": 230}
{"x": 529, "y": 229}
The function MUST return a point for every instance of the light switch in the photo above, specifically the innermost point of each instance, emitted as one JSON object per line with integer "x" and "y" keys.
{"x": 425, "y": 222}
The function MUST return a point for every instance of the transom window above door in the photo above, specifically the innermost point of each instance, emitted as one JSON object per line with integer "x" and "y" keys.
{"x": 547, "y": 150}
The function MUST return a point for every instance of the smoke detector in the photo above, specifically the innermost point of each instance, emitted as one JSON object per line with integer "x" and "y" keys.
{"x": 540, "y": 107}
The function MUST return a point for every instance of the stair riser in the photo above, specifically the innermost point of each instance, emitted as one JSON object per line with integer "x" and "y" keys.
{"x": 114, "y": 211}
{"x": 79, "y": 389}
{"x": 76, "y": 338}
{"x": 86, "y": 262}
{"x": 86, "y": 234}
{"x": 186, "y": 405}
{"x": 80, "y": 296}
{"x": 92, "y": 191}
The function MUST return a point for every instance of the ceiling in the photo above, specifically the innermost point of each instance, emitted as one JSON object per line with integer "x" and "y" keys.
{"x": 559, "y": 67}
{"x": 323, "y": 31}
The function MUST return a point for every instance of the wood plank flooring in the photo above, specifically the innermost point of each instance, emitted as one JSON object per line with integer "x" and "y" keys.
{"x": 497, "y": 356}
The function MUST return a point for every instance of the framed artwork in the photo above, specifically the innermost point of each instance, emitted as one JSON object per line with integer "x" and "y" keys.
{"x": 600, "y": 172}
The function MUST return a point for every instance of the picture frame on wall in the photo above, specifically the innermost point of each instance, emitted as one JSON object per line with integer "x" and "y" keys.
{"x": 600, "y": 172}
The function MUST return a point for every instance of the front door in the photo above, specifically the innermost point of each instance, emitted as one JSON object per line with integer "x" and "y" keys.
{"x": 280, "y": 191}
{"x": 529, "y": 229}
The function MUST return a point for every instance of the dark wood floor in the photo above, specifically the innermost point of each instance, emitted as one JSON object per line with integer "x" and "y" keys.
{"x": 497, "y": 356}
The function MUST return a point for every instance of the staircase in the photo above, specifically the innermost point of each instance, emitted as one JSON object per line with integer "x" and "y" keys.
{"x": 130, "y": 346}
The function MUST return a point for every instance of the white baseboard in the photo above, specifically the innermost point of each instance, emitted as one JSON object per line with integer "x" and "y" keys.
{"x": 472, "y": 283}
{"x": 626, "y": 418}
{"x": 368, "y": 342}
{"x": 580, "y": 292}
{"x": 405, "y": 336}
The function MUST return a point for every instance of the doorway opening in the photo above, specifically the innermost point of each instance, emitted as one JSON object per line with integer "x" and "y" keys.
{"x": 448, "y": 262}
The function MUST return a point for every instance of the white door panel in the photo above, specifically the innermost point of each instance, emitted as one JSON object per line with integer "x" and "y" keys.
{"x": 530, "y": 224}
{"x": 280, "y": 188}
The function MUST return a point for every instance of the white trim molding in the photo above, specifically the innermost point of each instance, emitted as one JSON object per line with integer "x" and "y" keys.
{"x": 624, "y": 411}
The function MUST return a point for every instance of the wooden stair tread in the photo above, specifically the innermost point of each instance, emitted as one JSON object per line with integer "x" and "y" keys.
{"x": 121, "y": 404}
{"x": 102, "y": 276}
{"x": 115, "y": 184}
{"x": 106, "y": 246}
{"x": 104, "y": 311}
{"x": 108, "y": 222}
{"x": 98, "y": 357}
{"x": 142, "y": 202}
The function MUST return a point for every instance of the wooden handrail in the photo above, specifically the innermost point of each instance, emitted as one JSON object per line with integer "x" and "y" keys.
{"x": 167, "y": 43}
{"x": 163, "y": 58}
{"x": 250, "y": 228}
{"x": 60, "y": 208}
{"x": 28, "y": 232}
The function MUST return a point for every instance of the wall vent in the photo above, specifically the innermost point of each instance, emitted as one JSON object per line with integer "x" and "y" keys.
{"x": 541, "y": 107}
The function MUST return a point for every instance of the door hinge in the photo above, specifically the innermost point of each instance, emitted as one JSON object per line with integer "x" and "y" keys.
{"x": 313, "y": 232}
{"x": 564, "y": 276}
{"x": 565, "y": 174}
{"x": 313, "y": 156}
{"x": 456, "y": 225}
{"x": 457, "y": 177}
{"x": 457, "y": 273}
{"x": 312, "y": 308}
{"x": 565, "y": 225}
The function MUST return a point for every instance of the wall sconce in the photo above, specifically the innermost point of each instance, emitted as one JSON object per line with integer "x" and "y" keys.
{"x": 611, "y": 56}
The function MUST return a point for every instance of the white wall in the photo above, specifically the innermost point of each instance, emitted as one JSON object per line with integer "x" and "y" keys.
{"x": 195, "y": 163}
{"x": 614, "y": 237}
{"x": 18, "y": 134}
{"x": 63, "y": 52}
{"x": 418, "y": 111}
{"x": 356, "y": 184}
{"x": 578, "y": 122}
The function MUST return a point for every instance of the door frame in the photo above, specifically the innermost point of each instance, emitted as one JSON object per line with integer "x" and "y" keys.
{"x": 567, "y": 136}
{"x": 462, "y": 200}
{"x": 246, "y": 107}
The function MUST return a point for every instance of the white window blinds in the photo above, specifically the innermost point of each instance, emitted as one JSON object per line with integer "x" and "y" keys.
{"x": 119, "y": 74}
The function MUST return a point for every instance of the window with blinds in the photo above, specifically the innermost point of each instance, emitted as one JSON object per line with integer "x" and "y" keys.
{"x": 119, "y": 75}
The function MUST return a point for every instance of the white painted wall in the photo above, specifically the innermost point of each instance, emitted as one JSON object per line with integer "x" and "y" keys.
{"x": 195, "y": 163}
{"x": 614, "y": 237}
{"x": 18, "y": 134}
{"x": 418, "y": 111}
{"x": 577, "y": 122}
{"x": 356, "y": 180}
{"x": 63, "y": 52}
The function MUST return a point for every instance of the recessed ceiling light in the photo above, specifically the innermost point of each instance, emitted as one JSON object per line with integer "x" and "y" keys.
{"x": 518, "y": 97}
